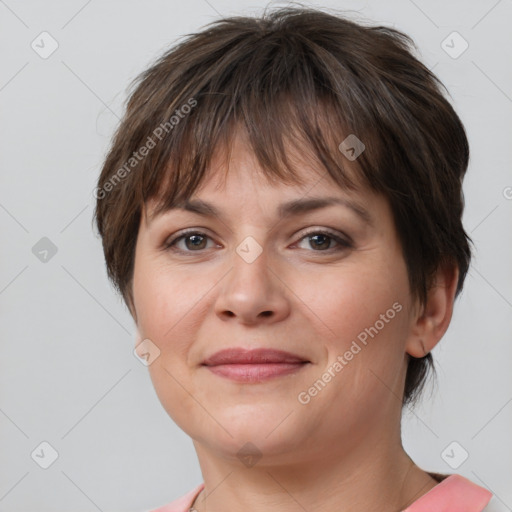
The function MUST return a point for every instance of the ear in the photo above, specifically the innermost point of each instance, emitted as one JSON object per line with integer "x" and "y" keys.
{"x": 430, "y": 324}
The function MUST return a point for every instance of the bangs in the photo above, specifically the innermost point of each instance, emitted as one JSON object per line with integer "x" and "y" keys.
{"x": 302, "y": 89}
{"x": 293, "y": 111}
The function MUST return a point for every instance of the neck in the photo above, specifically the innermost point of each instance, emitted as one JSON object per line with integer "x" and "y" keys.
{"x": 369, "y": 476}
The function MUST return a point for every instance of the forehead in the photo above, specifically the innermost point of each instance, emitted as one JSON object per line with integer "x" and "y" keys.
{"x": 235, "y": 175}
{"x": 284, "y": 202}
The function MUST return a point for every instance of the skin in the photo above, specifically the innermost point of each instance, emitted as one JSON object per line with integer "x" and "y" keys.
{"x": 342, "y": 450}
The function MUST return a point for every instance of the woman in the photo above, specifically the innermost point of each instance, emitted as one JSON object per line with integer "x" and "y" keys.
{"x": 281, "y": 211}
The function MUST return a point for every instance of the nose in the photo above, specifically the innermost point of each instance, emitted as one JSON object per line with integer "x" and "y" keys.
{"x": 252, "y": 292}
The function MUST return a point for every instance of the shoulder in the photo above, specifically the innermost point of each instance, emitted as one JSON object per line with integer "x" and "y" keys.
{"x": 453, "y": 490}
{"x": 181, "y": 504}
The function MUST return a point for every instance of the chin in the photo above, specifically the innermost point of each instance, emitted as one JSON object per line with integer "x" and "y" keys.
{"x": 271, "y": 429}
{"x": 251, "y": 447}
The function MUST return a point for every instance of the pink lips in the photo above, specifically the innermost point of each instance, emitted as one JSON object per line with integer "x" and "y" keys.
{"x": 253, "y": 365}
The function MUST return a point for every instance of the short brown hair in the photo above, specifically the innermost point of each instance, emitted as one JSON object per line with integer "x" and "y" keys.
{"x": 308, "y": 78}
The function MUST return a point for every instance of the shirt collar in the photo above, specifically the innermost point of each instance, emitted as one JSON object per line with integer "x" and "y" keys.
{"x": 454, "y": 494}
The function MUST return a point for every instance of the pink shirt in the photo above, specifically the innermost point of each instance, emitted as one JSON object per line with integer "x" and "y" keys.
{"x": 454, "y": 494}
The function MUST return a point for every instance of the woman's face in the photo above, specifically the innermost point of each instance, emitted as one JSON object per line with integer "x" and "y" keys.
{"x": 250, "y": 278}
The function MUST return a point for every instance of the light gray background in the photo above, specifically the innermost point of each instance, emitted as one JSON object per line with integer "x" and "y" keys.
{"x": 67, "y": 372}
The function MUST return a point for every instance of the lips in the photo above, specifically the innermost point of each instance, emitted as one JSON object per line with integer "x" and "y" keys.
{"x": 254, "y": 366}
{"x": 238, "y": 356}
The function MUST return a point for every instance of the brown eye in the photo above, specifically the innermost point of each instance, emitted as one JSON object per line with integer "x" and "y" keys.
{"x": 194, "y": 241}
{"x": 321, "y": 241}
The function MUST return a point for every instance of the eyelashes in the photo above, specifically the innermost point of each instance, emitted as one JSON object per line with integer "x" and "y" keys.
{"x": 315, "y": 236}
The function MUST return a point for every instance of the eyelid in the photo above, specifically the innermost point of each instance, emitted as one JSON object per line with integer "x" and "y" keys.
{"x": 334, "y": 233}
{"x": 341, "y": 238}
{"x": 169, "y": 241}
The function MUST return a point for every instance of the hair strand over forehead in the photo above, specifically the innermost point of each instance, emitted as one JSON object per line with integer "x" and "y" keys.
{"x": 294, "y": 81}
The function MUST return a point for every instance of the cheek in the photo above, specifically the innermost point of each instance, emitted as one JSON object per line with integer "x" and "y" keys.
{"x": 343, "y": 303}
{"x": 360, "y": 318}
{"x": 167, "y": 307}
{"x": 378, "y": 330}
{"x": 166, "y": 304}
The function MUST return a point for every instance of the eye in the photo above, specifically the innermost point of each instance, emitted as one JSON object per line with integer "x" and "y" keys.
{"x": 321, "y": 240}
{"x": 196, "y": 241}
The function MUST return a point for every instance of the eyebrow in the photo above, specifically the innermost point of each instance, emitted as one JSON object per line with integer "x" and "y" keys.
{"x": 295, "y": 207}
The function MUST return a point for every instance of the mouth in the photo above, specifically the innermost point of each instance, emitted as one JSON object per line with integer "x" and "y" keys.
{"x": 254, "y": 365}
